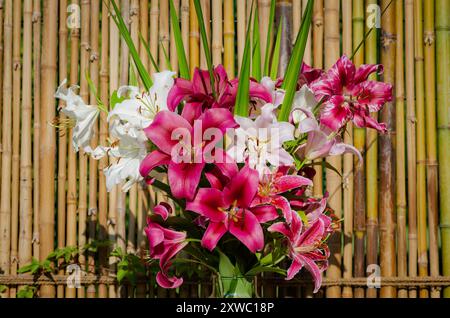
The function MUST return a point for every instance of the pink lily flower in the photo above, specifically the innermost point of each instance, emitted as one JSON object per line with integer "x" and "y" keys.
{"x": 183, "y": 177}
{"x": 306, "y": 248}
{"x": 229, "y": 210}
{"x": 347, "y": 95}
{"x": 198, "y": 94}
{"x": 164, "y": 245}
{"x": 273, "y": 185}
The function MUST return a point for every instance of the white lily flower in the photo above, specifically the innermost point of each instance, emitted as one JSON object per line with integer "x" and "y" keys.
{"x": 302, "y": 111}
{"x": 261, "y": 141}
{"x": 277, "y": 94}
{"x": 84, "y": 116}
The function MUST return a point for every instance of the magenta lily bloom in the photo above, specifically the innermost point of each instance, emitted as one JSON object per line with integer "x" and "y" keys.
{"x": 347, "y": 94}
{"x": 273, "y": 185}
{"x": 229, "y": 210}
{"x": 305, "y": 247}
{"x": 198, "y": 94}
{"x": 183, "y": 176}
{"x": 164, "y": 245}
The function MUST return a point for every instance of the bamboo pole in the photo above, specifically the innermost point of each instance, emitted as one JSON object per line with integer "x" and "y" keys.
{"x": 347, "y": 47}
{"x": 206, "y": 9}
{"x": 318, "y": 63}
{"x": 1, "y": 71}
{"x": 283, "y": 14}
{"x": 173, "y": 48}
{"x": 402, "y": 270}
{"x": 240, "y": 28}
{"x": 154, "y": 31}
{"x": 71, "y": 228}
{"x": 83, "y": 161}
{"x": 17, "y": 72}
{"x": 164, "y": 41}
{"x": 371, "y": 157}
{"x": 307, "y": 58}
{"x": 411, "y": 142}
{"x": 359, "y": 136}
{"x": 296, "y": 16}
{"x": 36, "y": 121}
{"x": 194, "y": 39}
{"x": 62, "y": 142}
{"x": 432, "y": 167}
{"x": 134, "y": 32}
{"x": 264, "y": 15}
{"x": 217, "y": 43}
{"x": 184, "y": 13}
{"x": 143, "y": 30}
{"x": 421, "y": 153}
{"x": 26, "y": 167}
{"x": 48, "y": 138}
{"x": 333, "y": 179}
{"x": 442, "y": 66}
{"x": 387, "y": 155}
{"x": 5, "y": 204}
{"x": 228, "y": 37}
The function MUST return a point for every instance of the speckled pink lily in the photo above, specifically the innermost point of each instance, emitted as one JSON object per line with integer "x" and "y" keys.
{"x": 305, "y": 247}
{"x": 229, "y": 210}
{"x": 348, "y": 95}
{"x": 184, "y": 177}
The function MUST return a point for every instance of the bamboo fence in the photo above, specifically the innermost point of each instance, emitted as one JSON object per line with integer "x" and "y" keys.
{"x": 395, "y": 206}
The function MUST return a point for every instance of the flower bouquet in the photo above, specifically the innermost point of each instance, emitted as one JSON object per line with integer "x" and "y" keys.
{"x": 235, "y": 157}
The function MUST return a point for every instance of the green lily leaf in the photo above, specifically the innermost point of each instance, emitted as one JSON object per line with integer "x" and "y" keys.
{"x": 181, "y": 53}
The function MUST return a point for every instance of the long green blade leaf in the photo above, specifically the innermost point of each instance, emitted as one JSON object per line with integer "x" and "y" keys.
{"x": 117, "y": 17}
{"x": 276, "y": 52}
{"x": 242, "y": 97}
{"x": 149, "y": 53}
{"x": 269, "y": 38}
{"x": 206, "y": 48}
{"x": 256, "y": 60}
{"x": 181, "y": 53}
{"x": 166, "y": 57}
{"x": 295, "y": 63}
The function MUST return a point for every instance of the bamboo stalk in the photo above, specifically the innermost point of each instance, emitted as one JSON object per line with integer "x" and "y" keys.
{"x": 307, "y": 58}
{"x": 17, "y": 70}
{"x": 387, "y": 155}
{"x": 240, "y": 28}
{"x": 347, "y": 47}
{"x": 173, "y": 48}
{"x": 48, "y": 138}
{"x": 432, "y": 167}
{"x": 442, "y": 49}
{"x": 71, "y": 228}
{"x": 228, "y": 37}
{"x": 359, "y": 142}
{"x": 154, "y": 31}
{"x": 334, "y": 181}
{"x": 124, "y": 51}
{"x": 206, "y": 9}
{"x": 131, "y": 226}
{"x": 5, "y": 204}
{"x": 217, "y": 43}
{"x": 421, "y": 153}
{"x": 283, "y": 14}
{"x": 143, "y": 30}
{"x": 185, "y": 24}
{"x": 411, "y": 142}
{"x": 264, "y": 15}
{"x": 296, "y": 16}
{"x": 164, "y": 41}
{"x": 26, "y": 167}
{"x": 402, "y": 270}
{"x": 62, "y": 142}
{"x": 371, "y": 166}
{"x": 36, "y": 121}
{"x": 317, "y": 31}
{"x": 134, "y": 32}
{"x": 194, "y": 39}
{"x": 1, "y": 70}
{"x": 83, "y": 161}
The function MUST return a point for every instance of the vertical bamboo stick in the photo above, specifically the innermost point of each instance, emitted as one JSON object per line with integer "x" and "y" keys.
{"x": 154, "y": 31}
{"x": 240, "y": 27}
{"x": 26, "y": 167}
{"x": 421, "y": 153}
{"x": 132, "y": 221}
{"x": 103, "y": 136}
{"x": 387, "y": 155}
{"x": 173, "y": 48}
{"x": 217, "y": 43}
{"x": 411, "y": 141}
{"x": 359, "y": 143}
{"x": 206, "y": 9}
{"x": 48, "y": 140}
{"x": 143, "y": 30}
{"x": 185, "y": 24}
{"x": 402, "y": 270}
{"x": 371, "y": 164}
{"x": 432, "y": 172}
{"x": 228, "y": 37}
{"x": 36, "y": 121}
{"x": 5, "y": 205}
{"x": 347, "y": 48}
{"x": 333, "y": 179}
{"x": 1, "y": 69}
{"x": 83, "y": 160}
{"x": 134, "y": 32}
{"x": 17, "y": 70}
{"x": 194, "y": 39}
{"x": 307, "y": 58}
{"x": 264, "y": 13}
{"x": 283, "y": 14}
{"x": 164, "y": 41}
{"x": 71, "y": 228}
{"x": 318, "y": 63}
{"x": 296, "y": 16}
{"x": 443, "y": 53}
{"x": 62, "y": 142}
{"x": 124, "y": 51}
